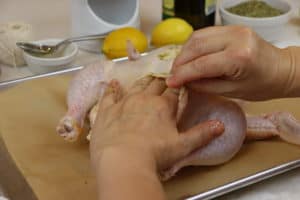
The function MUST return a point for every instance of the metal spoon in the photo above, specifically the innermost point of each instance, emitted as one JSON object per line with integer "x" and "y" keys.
{"x": 44, "y": 49}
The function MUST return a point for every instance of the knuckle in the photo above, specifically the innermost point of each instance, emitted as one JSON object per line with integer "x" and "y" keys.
{"x": 244, "y": 32}
{"x": 184, "y": 144}
{"x": 196, "y": 42}
{"x": 198, "y": 66}
{"x": 237, "y": 69}
{"x": 195, "y": 66}
{"x": 135, "y": 99}
{"x": 195, "y": 35}
{"x": 197, "y": 46}
{"x": 160, "y": 102}
{"x": 160, "y": 144}
{"x": 244, "y": 55}
{"x": 139, "y": 97}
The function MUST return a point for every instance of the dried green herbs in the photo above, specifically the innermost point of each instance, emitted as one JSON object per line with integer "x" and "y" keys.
{"x": 254, "y": 8}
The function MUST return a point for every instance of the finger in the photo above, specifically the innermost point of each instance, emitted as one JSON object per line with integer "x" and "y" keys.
{"x": 199, "y": 135}
{"x": 172, "y": 95}
{"x": 156, "y": 87}
{"x": 209, "y": 66}
{"x": 140, "y": 85}
{"x": 112, "y": 95}
{"x": 183, "y": 101}
{"x": 203, "y": 42}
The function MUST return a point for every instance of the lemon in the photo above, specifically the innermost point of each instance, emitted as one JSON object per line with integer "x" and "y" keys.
{"x": 171, "y": 31}
{"x": 115, "y": 43}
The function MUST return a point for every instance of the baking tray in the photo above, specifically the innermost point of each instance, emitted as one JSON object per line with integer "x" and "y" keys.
{"x": 210, "y": 194}
{"x": 12, "y": 82}
{"x": 247, "y": 181}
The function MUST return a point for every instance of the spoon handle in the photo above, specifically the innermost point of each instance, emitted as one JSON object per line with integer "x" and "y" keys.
{"x": 83, "y": 38}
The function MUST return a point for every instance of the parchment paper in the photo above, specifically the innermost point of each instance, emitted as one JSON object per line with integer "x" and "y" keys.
{"x": 58, "y": 170}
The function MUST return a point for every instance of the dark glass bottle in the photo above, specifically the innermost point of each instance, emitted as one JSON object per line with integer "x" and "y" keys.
{"x": 199, "y": 13}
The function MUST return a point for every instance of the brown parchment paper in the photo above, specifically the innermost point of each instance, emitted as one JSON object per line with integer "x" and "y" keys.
{"x": 58, "y": 170}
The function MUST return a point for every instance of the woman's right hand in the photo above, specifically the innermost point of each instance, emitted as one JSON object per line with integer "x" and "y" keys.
{"x": 235, "y": 62}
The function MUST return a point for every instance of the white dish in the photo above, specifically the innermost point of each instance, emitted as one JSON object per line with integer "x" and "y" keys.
{"x": 284, "y": 44}
{"x": 266, "y": 27}
{"x": 38, "y": 64}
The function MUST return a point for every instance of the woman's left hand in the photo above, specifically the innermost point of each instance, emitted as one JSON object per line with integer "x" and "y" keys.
{"x": 143, "y": 124}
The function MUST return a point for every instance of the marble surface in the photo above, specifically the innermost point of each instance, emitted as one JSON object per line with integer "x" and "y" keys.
{"x": 51, "y": 19}
{"x": 282, "y": 187}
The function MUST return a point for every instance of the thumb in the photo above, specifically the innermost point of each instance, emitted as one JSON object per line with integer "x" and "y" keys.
{"x": 199, "y": 135}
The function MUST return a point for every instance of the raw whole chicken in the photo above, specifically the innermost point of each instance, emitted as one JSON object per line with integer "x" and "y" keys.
{"x": 88, "y": 85}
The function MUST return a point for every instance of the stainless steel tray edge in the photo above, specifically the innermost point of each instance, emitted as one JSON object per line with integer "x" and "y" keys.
{"x": 19, "y": 80}
{"x": 64, "y": 71}
{"x": 235, "y": 185}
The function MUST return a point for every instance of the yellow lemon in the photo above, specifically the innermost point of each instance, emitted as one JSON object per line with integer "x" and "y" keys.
{"x": 171, "y": 31}
{"x": 115, "y": 43}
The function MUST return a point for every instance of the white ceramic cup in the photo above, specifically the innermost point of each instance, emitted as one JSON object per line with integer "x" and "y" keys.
{"x": 101, "y": 16}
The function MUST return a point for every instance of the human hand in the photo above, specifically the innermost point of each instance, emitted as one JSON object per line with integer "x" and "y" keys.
{"x": 143, "y": 123}
{"x": 232, "y": 61}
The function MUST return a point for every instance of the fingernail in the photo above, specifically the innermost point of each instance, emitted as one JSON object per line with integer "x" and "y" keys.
{"x": 170, "y": 81}
{"x": 217, "y": 127}
{"x": 111, "y": 87}
{"x": 176, "y": 91}
{"x": 108, "y": 90}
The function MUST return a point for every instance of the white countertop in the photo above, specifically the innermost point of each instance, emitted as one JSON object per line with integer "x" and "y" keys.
{"x": 57, "y": 24}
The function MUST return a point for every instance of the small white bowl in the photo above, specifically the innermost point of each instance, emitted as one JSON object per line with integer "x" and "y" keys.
{"x": 267, "y": 27}
{"x": 39, "y": 64}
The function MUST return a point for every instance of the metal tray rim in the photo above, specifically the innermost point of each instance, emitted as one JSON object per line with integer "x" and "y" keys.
{"x": 58, "y": 72}
{"x": 247, "y": 181}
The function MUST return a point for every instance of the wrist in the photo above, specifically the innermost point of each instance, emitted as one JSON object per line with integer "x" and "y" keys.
{"x": 275, "y": 65}
{"x": 289, "y": 73}
{"x": 124, "y": 173}
{"x": 126, "y": 155}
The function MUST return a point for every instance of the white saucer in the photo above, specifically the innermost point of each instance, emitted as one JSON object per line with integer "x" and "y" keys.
{"x": 284, "y": 44}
